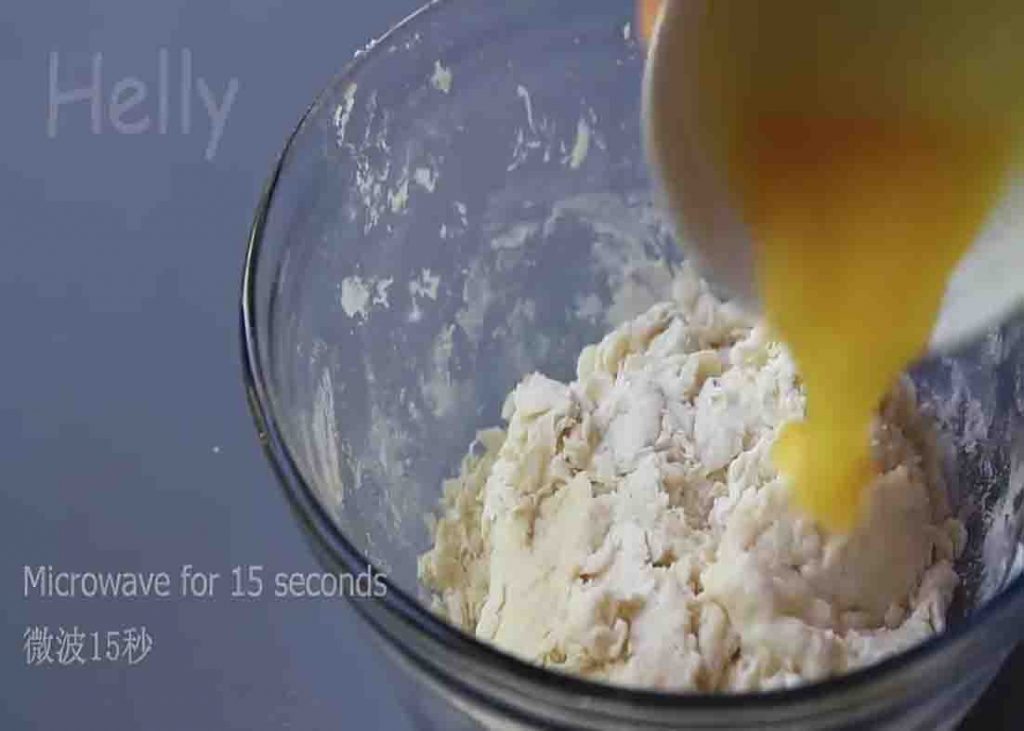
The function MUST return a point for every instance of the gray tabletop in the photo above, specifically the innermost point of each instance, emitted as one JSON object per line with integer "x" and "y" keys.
{"x": 136, "y": 137}
{"x": 126, "y": 442}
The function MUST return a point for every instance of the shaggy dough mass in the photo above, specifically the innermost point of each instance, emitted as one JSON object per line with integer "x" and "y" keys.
{"x": 630, "y": 527}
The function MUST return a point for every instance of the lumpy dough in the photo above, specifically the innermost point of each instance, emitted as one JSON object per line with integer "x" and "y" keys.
{"x": 630, "y": 527}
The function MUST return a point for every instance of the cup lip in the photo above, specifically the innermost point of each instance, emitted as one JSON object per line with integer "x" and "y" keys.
{"x": 408, "y": 611}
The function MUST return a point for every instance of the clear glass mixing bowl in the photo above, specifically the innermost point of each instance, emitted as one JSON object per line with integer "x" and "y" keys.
{"x": 466, "y": 203}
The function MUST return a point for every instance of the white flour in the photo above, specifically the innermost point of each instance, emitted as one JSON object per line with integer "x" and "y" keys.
{"x": 629, "y": 526}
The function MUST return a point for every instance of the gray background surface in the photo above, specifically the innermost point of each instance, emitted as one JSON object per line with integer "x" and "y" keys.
{"x": 126, "y": 445}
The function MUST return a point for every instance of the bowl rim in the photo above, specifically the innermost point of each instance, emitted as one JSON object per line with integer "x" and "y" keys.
{"x": 400, "y": 605}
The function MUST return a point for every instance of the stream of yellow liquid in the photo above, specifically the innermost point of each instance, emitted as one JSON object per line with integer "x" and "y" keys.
{"x": 858, "y": 224}
{"x": 864, "y": 156}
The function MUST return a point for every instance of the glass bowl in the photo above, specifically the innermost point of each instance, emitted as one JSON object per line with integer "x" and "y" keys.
{"x": 468, "y": 202}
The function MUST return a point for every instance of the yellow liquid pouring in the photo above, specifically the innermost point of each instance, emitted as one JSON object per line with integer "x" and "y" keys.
{"x": 858, "y": 224}
{"x": 864, "y": 145}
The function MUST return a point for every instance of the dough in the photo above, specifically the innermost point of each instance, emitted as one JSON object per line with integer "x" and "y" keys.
{"x": 629, "y": 527}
